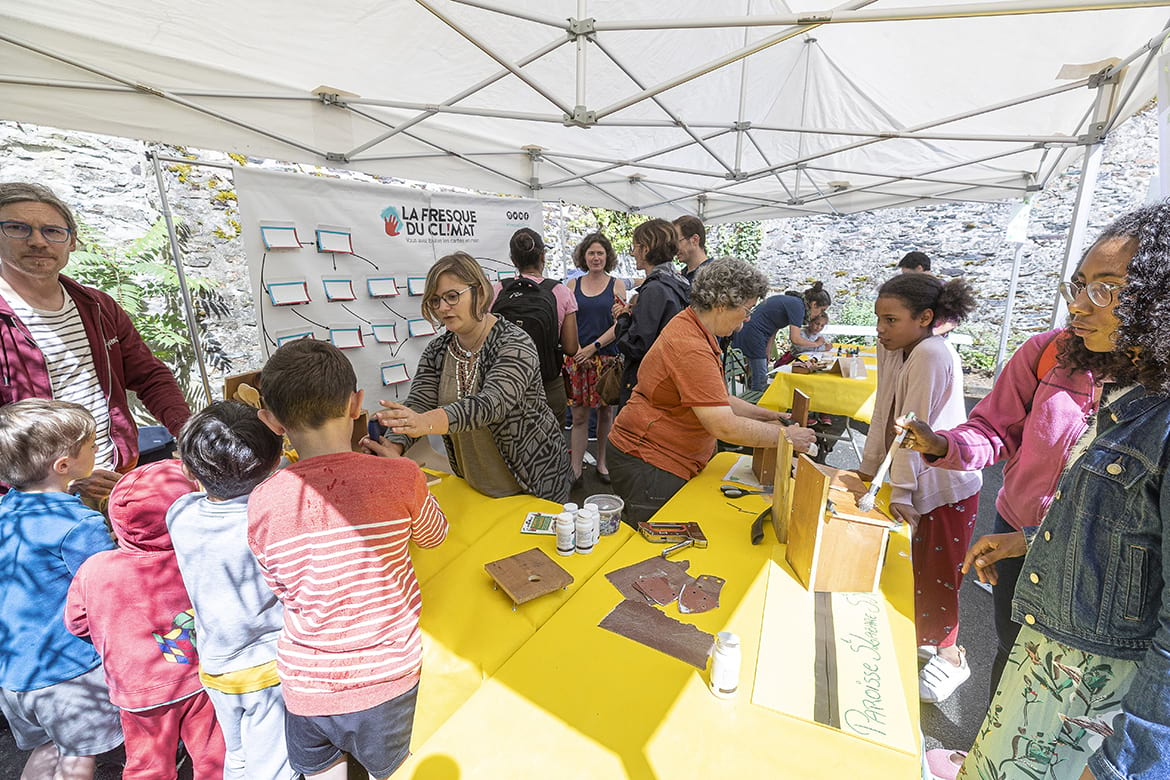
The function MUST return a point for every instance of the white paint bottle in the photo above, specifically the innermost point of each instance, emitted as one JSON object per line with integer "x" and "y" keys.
{"x": 725, "y": 660}
{"x": 566, "y": 541}
{"x": 583, "y": 531}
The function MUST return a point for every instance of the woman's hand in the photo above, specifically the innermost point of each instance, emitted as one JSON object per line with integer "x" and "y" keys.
{"x": 585, "y": 354}
{"x": 988, "y": 549}
{"x": 619, "y": 308}
{"x": 381, "y": 447}
{"x": 920, "y": 437}
{"x": 800, "y": 438}
{"x": 402, "y": 419}
{"x": 906, "y": 513}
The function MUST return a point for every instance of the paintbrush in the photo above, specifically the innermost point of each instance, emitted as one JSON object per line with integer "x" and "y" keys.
{"x": 865, "y": 503}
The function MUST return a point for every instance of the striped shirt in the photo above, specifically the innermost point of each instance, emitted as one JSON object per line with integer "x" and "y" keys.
{"x": 332, "y": 534}
{"x": 60, "y": 335}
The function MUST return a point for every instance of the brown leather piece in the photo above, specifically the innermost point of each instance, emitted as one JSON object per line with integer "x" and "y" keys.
{"x": 700, "y": 594}
{"x": 644, "y": 624}
{"x": 657, "y": 588}
{"x": 675, "y": 572}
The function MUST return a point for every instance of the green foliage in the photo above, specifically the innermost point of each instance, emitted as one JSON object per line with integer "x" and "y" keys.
{"x": 618, "y": 227}
{"x": 142, "y": 278}
{"x": 735, "y": 239}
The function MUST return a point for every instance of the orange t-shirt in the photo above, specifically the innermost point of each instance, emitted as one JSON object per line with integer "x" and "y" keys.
{"x": 682, "y": 370}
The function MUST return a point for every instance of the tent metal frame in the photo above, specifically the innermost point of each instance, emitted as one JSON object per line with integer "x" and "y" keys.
{"x": 801, "y": 193}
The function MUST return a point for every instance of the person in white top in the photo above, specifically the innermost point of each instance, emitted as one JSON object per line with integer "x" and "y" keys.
{"x": 920, "y": 372}
{"x": 65, "y": 341}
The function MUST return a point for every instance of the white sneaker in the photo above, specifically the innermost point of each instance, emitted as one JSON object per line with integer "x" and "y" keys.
{"x": 926, "y": 652}
{"x": 940, "y": 678}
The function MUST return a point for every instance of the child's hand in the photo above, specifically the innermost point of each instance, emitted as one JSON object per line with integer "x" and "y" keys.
{"x": 381, "y": 447}
{"x": 906, "y": 513}
{"x": 920, "y": 437}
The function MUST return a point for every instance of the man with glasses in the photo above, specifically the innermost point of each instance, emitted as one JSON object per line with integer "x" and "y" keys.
{"x": 63, "y": 340}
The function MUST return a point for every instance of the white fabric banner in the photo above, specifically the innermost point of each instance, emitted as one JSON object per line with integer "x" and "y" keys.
{"x": 345, "y": 262}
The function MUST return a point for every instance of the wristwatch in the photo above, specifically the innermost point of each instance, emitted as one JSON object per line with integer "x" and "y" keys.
{"x": 597, "y": 345}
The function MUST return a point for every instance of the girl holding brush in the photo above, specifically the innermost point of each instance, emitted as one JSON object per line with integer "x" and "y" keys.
{"x": 919, "y": 372}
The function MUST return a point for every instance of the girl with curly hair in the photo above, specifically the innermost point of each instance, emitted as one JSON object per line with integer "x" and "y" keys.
{"x": 920, "y": 372}
{"x": 1086, "y": 690}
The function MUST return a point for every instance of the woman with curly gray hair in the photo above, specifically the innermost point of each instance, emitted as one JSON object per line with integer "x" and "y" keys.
{"x": 680, "y": 406}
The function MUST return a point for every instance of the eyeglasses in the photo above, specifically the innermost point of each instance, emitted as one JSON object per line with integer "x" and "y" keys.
{"x": 451, "y": 297}
{"x": 54, "y": 233}
{"x": 1100, "y": 293}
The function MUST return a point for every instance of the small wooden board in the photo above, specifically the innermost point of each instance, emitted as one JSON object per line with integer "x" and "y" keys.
{"x": 782, "y": 493}
{"x": 528, "y": 575}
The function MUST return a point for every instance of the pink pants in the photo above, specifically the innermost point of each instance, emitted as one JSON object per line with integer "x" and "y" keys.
{"x": 941, "y": 541}
{"x": 152, "y": 740}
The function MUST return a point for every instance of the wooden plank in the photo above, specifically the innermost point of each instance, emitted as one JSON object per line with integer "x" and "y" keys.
{"x": 807, "y": 519}
{"x": 528, "y": 575}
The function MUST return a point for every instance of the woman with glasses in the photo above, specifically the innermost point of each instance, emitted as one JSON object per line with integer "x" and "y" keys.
{"x": 791, "y": 311}
{"x": 479, "y": 386}
{"x": 1031, "y": 418}
{"x": 667, "y": 432}
{"x": 1086, "y": 689}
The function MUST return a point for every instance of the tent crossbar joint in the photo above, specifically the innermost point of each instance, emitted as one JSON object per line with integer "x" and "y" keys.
{"x": 582, "y": 27}
{"x": 581, "y": 117}
{"x": 337, "y": 157}
{"x": 740, "y": 127}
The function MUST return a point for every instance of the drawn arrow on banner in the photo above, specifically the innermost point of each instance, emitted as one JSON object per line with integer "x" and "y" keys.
{"x": 371, "y": 262}
{"x": 360, "y": 317}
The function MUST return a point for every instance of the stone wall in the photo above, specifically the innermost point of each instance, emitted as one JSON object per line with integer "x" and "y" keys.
{"x": 111, "y": 184}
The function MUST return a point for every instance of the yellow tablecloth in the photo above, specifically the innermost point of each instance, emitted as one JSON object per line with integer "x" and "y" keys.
{"x": 560, "y": 697}
{"x": 830, "y": 393}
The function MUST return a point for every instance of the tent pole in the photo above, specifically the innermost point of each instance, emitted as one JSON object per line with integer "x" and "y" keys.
{"x": 177, "y": 256}
{"x": 1080, "y": 219}
{"x": 1005, "y": 325}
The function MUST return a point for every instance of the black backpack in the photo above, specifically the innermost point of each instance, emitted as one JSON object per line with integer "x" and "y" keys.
{"x": 533, "y": 307}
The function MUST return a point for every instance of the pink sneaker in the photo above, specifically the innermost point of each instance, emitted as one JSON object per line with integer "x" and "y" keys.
{"x": 944, "y": 764}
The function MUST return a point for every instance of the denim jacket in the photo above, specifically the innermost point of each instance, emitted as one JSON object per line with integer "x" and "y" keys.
{"x": 1094, "y": 577}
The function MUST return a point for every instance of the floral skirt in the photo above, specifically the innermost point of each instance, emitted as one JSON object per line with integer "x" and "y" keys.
{"x": 583, "y": 380}
{"x": 1053, "y": 708}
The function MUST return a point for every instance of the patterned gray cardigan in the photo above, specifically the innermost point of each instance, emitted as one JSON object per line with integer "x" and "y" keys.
{"x": 510, "y": 403}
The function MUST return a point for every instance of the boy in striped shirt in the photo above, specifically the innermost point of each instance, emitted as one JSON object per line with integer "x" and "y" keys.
{"x": 331, "y": 534}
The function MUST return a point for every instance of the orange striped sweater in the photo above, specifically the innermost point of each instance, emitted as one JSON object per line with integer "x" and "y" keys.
{"x": 332, "y": 534}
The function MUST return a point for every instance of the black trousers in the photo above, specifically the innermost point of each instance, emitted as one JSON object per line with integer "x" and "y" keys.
{"x": 1006, "y": 629}
{"x": 643, "y": 487}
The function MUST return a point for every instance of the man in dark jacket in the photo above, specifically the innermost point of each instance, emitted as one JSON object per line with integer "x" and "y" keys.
{"x": 63, "y": 340}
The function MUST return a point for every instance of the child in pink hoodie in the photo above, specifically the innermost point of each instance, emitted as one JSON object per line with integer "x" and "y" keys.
{"x": 132, "y": 604}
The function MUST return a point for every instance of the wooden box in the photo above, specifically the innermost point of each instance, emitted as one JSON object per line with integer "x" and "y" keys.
{"x": 833, "y": 547}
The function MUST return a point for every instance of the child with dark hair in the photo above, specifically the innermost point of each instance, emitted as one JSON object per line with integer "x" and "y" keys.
{"x": 331, "y": 533}
{"x": 915, "y": 262}
{"x": 131, "y": 603}
{"x": 52, "y": 688}
{"x": 921, "y": 373}
{"x": 228, "y": 450}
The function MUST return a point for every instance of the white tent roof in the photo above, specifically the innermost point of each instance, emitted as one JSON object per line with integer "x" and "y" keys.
{"x": 741, "y": 109}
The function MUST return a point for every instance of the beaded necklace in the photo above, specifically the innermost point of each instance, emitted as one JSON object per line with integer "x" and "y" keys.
{"x": 466, "y": 366}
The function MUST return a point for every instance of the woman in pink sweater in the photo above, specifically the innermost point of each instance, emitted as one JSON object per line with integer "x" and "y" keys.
{"x": 919, "y": 372}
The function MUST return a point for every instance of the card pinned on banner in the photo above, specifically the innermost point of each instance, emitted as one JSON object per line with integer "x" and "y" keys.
{"x": 346, "y": 262}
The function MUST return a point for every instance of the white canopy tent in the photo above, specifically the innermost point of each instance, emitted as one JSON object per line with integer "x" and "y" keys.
{"x": 743, "y": 109}
{"x": 735, "y": 110}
